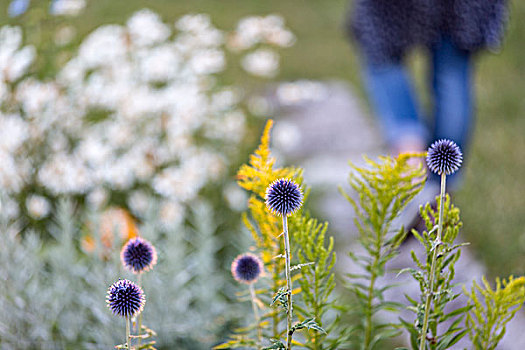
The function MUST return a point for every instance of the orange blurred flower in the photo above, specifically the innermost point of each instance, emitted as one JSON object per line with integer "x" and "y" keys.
{"x": 114, "y": 221}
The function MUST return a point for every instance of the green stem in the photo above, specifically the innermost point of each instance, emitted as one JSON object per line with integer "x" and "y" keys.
{"x": 288, "y": 284}
{"x": 128, "y": 335}
{"x": 368, "y": 323}
{"x": 430, "y": 293}
{"x": 139, "y": 325}
{"x": 256, "y": 315}
{"x": 373, "y": 277}
{"x": 316, "y": 312}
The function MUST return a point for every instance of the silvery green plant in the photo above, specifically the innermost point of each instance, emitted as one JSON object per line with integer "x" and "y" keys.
{"x": 35, "y": 311}
{"x": 383, "y": 189}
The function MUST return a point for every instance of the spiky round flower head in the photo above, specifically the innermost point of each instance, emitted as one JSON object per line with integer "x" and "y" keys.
{"x": 138, "y": 255}
{"x": 283, "y": 197}
{"x": 125, "y": 298}
{"x": 444, "y": 157}
{"x": 247, "y": 268}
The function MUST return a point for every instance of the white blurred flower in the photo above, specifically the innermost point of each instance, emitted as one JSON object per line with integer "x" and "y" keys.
{"x": 236, "y": 197}
{"x": 260, "y": 106}
{"x": 207, "y": 61}
{"x": 231, "y": 124}
{"x": 19, "y": 63}
{"x": 160, "y": 63}
{"x": 255, "y": 30}
{"x": 138, "y": 202}
{"x": 225, "y": 99}
{"x": 9, "y": 208}
{"x": 97, "y": 198}
{"x": 93, "y": 151}
{"x": 14, "y": 61}
{"x": 193, "y": 23}
{"x": 146, "y": 28}
{"x": 13, "y": 132}
{"x": 174, "y": 182}
{"x": 64, "y": 174}
{"x": 36, "y": 96}
{"x": 10, "y": 40}
{"x": 105, "y": 45}
{"x": 198, "y": 29}
{"x": 13, "y": 173}
{"x": 37, "y": 206}
{"x": 301, "y": 91}
{"x": 287, "y": 136}
{"x": 171, "y": 214}
{"x": 58, "y": 142}
{"x": 118, "y": 174}
{"x": 65, "y": 35}
{"x": 127, "y": 110}
{"x": 262, "y": 63}
{"x": 67, "y": 7}
{"x": 118, "y": 135}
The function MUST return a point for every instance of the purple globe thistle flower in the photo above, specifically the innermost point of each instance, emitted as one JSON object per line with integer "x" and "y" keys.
{"x": 138, "y": 255}
{"x": 125, "y": 298}
{"x": 247, "y": 268}
{"x": 444, "y": 157}
{"x": 283, "y": 197}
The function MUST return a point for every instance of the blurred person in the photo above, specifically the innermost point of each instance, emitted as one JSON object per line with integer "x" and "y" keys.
{"x": 452, "y": 31}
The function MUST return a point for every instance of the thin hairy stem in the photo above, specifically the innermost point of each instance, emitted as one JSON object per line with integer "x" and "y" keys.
{"x": 288, "y": 284}
{"x": 139, "y": 324}
{"x": 256, "y": 315}
{"x": 437, "y": 244}
{"x": 128, "y": 334}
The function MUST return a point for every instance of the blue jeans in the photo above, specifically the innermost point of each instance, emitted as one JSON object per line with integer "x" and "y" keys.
{"x": 392, "y": 97}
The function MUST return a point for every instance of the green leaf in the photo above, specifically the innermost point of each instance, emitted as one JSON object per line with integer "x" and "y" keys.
{"x": 449, "y": 340}
{"x": 276, "y": 345}
{"x": 282, "y": 297}
{"x": 308, "y": 324}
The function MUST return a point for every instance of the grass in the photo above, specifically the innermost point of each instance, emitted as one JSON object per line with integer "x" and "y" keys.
{"x": 492, "y": 199}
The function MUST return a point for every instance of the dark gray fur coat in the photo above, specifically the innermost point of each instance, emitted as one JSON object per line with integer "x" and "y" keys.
{"x": 385, "y": 29}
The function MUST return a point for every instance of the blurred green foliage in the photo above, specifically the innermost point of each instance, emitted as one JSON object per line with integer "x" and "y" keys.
{"x": 492, "y": 309}
{"x": 383, "y": 188}
{"x": 54, "y": 297}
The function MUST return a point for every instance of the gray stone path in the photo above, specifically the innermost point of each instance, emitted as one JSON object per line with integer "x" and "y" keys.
{"x": 322, "y": 126}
